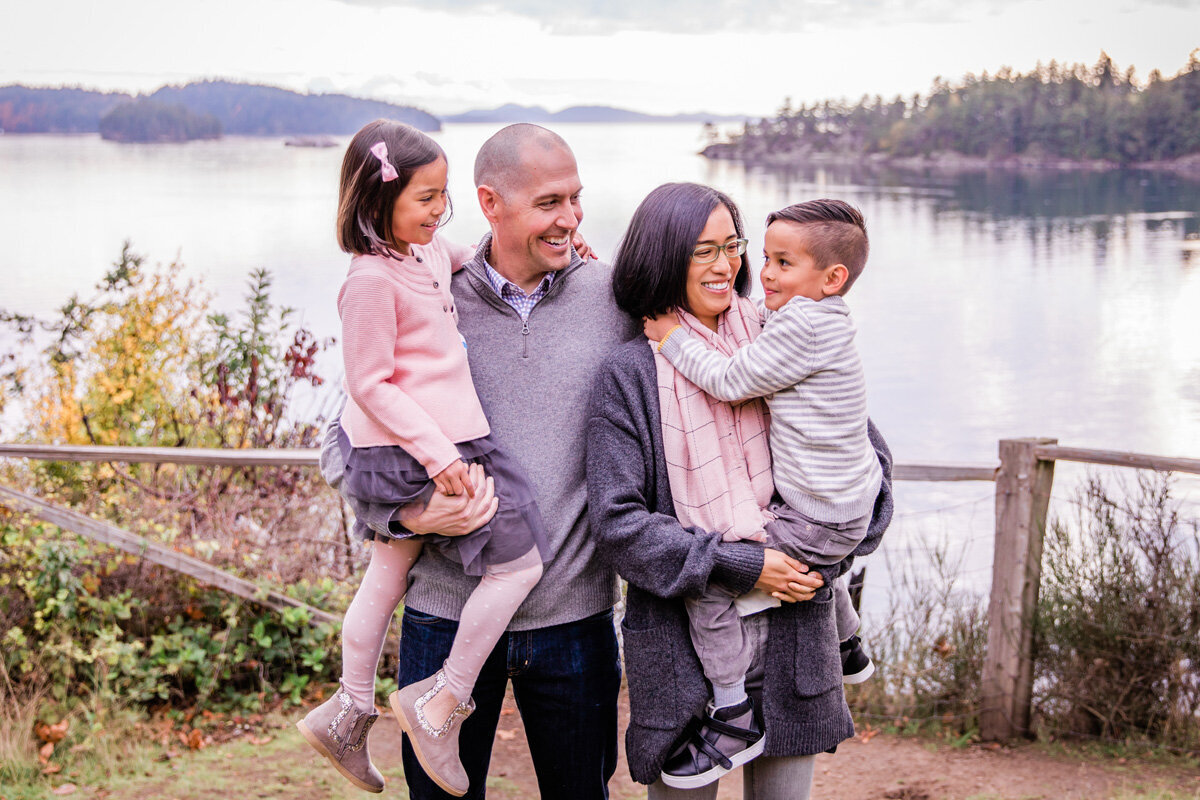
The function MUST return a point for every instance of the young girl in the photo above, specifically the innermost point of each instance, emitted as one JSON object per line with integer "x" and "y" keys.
{"x": 412, "y": 421}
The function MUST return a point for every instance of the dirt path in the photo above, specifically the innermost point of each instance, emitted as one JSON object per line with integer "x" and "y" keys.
{"x": 891, "y": 768}
{"x": 278, "y": 766}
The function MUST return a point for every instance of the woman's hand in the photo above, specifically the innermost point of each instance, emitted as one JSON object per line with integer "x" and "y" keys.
{"x": 787, "y": 579}
{"x": 455, "y": 479}
{"x": 454, "y": 515}
{"x": 657, "y": 327}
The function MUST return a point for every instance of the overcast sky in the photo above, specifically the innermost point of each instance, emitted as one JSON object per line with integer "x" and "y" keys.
{"x": 658, "y": 56}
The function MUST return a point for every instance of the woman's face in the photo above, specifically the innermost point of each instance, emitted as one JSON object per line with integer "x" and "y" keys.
{"x": 710, "y": 286}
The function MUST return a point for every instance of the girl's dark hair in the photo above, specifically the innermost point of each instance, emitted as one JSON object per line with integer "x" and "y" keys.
{"x": 365, "y": 201}
{"x": 651, "y": 265}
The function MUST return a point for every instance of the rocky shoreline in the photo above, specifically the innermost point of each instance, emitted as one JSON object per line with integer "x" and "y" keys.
{"x": 943, "y": 161}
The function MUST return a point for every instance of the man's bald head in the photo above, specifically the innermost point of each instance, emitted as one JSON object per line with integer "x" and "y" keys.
{"x": 502, "y": 159}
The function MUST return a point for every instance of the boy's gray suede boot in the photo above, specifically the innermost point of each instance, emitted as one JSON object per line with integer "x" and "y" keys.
{"x": 338, "y": 730}
{"x": 435, "y": 748}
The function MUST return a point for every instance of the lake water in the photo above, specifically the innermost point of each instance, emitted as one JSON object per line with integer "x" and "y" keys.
{"x": 993, "y": 305}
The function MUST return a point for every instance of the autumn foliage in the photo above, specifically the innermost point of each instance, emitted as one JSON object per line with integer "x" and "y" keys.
{"x": 145, "y": 362}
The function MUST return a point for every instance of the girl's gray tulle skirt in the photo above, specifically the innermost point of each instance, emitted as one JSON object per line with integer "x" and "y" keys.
{"x": 390, "y": 476}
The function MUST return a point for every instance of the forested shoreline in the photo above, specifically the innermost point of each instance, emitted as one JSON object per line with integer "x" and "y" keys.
{"x": 147, "y": 121}
{"x": 238, "y": 108}
{"x": 1074, "y": 116}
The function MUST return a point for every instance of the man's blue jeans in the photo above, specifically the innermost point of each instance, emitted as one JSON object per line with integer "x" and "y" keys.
{"x": 565, "y": 680}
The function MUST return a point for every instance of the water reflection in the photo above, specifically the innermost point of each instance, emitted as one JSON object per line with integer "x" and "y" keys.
{"x": 1028, "y": 194}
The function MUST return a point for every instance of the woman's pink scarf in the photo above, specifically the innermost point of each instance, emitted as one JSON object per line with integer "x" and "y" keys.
{"x": 718, "y": 456}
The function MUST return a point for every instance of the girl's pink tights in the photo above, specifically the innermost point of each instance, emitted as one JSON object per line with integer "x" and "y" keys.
{"x": 484, "y": 617}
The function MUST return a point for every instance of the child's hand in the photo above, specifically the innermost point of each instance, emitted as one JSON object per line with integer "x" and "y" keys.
{"x": 454, "y": 479}
{"x": 582, "y": 247}
{"x": 657, "y": 327}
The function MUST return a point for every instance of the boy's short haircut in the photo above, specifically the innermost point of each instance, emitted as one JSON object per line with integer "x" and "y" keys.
{"x": 836, "y": 234}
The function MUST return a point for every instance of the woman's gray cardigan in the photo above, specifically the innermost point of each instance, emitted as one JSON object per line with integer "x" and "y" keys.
{"x": 633, "y": 520}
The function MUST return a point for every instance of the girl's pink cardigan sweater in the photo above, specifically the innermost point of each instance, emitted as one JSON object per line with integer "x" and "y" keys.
{"x": 406, "y": 365}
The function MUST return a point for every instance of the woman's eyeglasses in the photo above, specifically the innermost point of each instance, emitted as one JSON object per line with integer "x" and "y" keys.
{"x": 707, "y": 253}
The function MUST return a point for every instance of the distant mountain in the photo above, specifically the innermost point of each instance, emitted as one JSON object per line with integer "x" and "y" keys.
{"x": 505, "y": 113}
{"x": 515, "y": 113}
{"x": 67, "y": 110}
{"x": 241, "y": 108}
{"x": 250, "y": 109}
{"x": 255, "y": 110}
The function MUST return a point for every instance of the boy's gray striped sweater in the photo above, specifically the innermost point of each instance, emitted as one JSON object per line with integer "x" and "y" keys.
{"x": 806, "y": 366}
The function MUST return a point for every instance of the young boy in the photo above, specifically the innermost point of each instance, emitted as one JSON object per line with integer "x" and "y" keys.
{"x": 806, "y": 366}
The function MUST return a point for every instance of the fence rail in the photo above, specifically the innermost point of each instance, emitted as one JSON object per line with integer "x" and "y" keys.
{"x": 155, "y": 553}
{"x": 1117, "y": 459}
{"x": 308, "y": 457}
{"x": 1023, "y": 479}
{"x": 164, "y": 455}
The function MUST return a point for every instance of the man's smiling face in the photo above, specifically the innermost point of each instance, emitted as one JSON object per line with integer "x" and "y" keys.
{"x": 536, "y": 219}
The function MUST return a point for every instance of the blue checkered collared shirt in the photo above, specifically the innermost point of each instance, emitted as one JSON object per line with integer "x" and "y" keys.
{"x": 514, "y": 295}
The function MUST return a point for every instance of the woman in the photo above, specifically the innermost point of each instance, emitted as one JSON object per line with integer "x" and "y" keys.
{"x": 664, "y": 264}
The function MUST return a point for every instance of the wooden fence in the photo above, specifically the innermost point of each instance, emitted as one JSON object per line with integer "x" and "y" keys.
{"x": 1023, "y": 484}
{"x": 1023, "y": 481}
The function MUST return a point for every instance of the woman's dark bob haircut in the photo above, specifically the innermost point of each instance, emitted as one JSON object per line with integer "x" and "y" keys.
{"x": 651, "y": 266}
{"x": 365, "y": 200}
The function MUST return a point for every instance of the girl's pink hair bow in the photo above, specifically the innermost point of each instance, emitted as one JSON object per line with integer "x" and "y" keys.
{"x": 386, "y": 171}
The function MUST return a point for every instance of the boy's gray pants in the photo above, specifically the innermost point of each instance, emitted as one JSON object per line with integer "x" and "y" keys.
{"x": 716, "y": 628}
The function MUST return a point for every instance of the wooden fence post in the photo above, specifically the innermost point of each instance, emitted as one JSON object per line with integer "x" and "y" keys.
{"x": 1022, "y": 500}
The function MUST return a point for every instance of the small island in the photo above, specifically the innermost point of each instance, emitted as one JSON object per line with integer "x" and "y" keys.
{"x": 240, "y": 109}
{"x": 148, "y": 121}
{"x": 1055, "y": 116}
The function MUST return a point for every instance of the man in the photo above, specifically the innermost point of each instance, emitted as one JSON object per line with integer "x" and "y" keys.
{"x": 538, "y": 320}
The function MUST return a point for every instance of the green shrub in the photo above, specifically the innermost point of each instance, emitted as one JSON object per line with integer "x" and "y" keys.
{"x": 102, "y": 629}
{"x": 1118, "y": 630}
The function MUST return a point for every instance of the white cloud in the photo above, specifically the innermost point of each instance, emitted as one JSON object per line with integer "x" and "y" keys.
{"x": 722, "y": 56}
{"x": 706, "y": 16}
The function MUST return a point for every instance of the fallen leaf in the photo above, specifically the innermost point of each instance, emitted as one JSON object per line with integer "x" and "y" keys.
{"x": 259, "y": 740}
{"x": 868, "y": 734}
{"x": 52, "y": 733}
{"x": 506, "y": 736}
{"x": 65, "y": 789}
{"x": 45, "y": 752}
{"x": 195, "y": 739}
{"x": 51, "y": 769}
{"x": 507, "y": 712}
